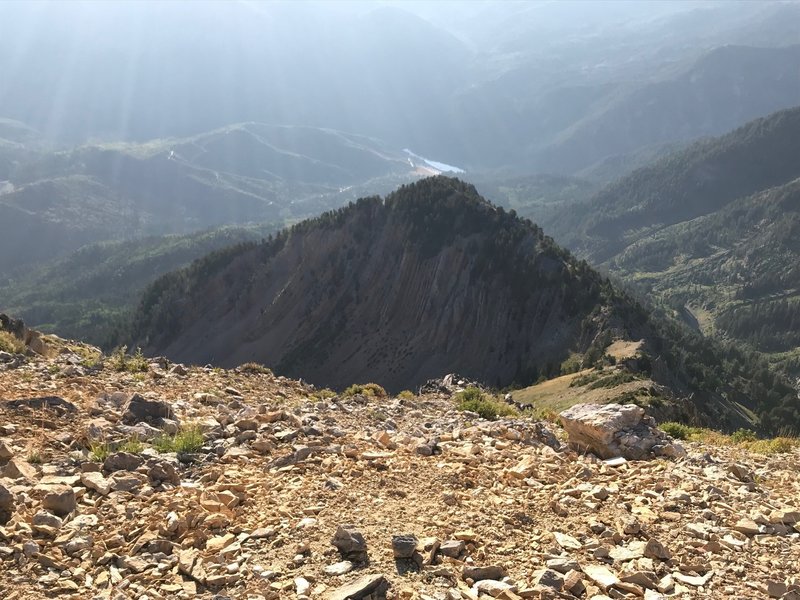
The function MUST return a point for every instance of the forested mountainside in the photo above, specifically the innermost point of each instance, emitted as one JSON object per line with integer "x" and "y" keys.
{"x": 88, "y": 294}
{"x": 687, "y": 184}
{"x": 713, "y": 230}
{"x": 430, "y": 280}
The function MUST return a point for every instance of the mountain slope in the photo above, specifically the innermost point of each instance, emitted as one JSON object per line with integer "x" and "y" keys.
{"x": 687, "y": 184}
{"x": 433, "y": 279}
{"x": 89, "y": 292}
{"x": 713, "y": 230}
{"x": 392, "y": 285}
{"x": 728, "y": 86}
{"x": 736, "y": 271}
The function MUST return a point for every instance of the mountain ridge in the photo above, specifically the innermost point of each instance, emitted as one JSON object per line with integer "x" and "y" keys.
{"x": 432, "y": 279}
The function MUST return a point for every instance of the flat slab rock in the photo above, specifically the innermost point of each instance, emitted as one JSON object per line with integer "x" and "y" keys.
{"x": 366, "y": 585}
{"x": 614, "y": 430}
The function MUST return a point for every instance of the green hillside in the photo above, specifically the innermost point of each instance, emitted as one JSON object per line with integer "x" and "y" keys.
{"x": 88, "y": 294}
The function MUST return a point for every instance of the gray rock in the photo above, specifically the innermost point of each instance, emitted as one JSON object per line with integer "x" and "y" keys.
{"x": 179, "y": 370}
{"x": 350, "y": 542}
{"x": 17, "y": 468}
{"x": 549, "y": 579}
{"x": 339, "y": 568}
{"x": 30, "y": 548}
{"x": 452, "y": 548}
{"x": 95, "y": 481}
{"x": 404, "y": 546}
{"x": 140, "y": 409}
{"x": 123, "y": 483}
{"x": 122, "y": 461}
{"x": 492, "y": 588}
{"x": 374, "y": 586}
{"x": 163, "y": 472}
{"x": 60, "y": 500}
{"x": 616, "y": 430}
{"x": 480, "y": 573}
{"x": 6, "y": 504}
{"x": 655, "y": 549}
{"x": 77, "y": 545}
{"x": 6, "y": 453}
{"x": 563, "y": 565}
{"x": 247, "y": 424}
{"x": 46, "y": 519}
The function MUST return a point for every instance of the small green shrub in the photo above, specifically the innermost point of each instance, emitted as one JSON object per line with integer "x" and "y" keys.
{"x": 572, "y": 364}
{"x": 90, "y": 357}
{"x": 132, "y": 445}
{"x": 778, "y": 445}
{"x": 99, "y": 451}
{"x": 539, "y": 413}
{"x": 35, "y": 458}
{"x": 679, "y": 431}
{"x": 323, "y": 394}
{"x": 254, "y": 368}
{"x": 743, "y": 435}
{"x": 474, "y": 400}
{"x": 164, "y": 443}
{"x": 122, "y": 361}
{"x": 584, "y": 379}
{"x": 406, "y": 395}
{"x": 10, "y": 343}
{"x": 370, "y": 390}
{"x": 189, "y": 439}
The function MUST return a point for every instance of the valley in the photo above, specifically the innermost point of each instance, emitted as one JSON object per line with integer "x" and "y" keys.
{"x": 389, "y": 300}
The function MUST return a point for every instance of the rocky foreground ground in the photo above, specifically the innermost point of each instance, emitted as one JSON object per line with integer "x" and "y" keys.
{"x": 295, "y": 494}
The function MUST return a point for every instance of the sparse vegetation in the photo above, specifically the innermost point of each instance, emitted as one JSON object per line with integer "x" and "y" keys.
{"x": 488, "y": 407}
{"x": 10, "y": 343}
{"x": 406, "y": 395}
{"x": 99, "y": 451}
{"x": 743, "y": 435}
{"x": 132, "y": 445}
{"x": 742, "y": 438}
{"x": 187, "y": 440}
{"x": 90, "y": 357}
{"x": 254, "y": 368}
{"x": 679, "y": 431}
{"x": 370, "y": 390}
{"x": 323, "y": 394}
{"x": 122, "y": 361}
{"x": 604, "y": 379}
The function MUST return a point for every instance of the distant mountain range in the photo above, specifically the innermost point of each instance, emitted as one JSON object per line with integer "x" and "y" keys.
{"x": 245, "y": 173}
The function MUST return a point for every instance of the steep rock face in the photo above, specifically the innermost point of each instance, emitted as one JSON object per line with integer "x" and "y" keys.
{"x": 431, "y": 280}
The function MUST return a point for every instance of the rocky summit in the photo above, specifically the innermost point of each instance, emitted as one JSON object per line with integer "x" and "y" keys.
{"x": 149, "y": 480}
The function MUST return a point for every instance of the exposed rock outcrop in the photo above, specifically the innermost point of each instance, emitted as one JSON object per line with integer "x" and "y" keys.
{"x": 613, "y": 430}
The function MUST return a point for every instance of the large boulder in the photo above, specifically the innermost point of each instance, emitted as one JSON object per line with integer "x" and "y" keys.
{"x": 122, "y": 461}
{"x": 60, "y": 500}
{"x": 614, "y": 430}
{"x": 350, "y": 543}
{"x": 6, "y": 504}
{"x": 139, "y": 409}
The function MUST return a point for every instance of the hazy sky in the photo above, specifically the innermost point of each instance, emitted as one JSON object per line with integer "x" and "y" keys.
{"x": 415, "y": 73}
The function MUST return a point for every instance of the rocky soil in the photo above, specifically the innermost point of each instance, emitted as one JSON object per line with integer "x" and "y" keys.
{"x": 298, "y": 495}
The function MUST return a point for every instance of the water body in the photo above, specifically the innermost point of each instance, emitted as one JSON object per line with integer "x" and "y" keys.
{"x": 439, "y": 166}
